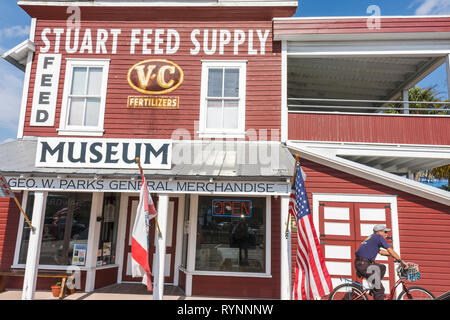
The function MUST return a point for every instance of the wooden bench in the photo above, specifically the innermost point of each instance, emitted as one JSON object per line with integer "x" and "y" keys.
{"x": 41, "y": 274}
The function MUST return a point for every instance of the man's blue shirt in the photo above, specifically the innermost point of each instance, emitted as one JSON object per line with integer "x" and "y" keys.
{"x": 371, "y": 246}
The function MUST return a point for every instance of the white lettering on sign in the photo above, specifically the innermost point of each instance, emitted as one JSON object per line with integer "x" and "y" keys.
{"x": 45, "y": 90}
{"x": 155, "y": 41}
{"x": 103, "y": 153}
{"x": 154, "y": 185}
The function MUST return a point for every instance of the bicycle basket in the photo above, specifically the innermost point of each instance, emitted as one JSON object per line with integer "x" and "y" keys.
{"x": 411, "y": 273}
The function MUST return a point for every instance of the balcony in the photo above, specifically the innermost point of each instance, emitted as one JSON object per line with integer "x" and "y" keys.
{"x": 324, "y": 120}
{"x": 365, "y": 99}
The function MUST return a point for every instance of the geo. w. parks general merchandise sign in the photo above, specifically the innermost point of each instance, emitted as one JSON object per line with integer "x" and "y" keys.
{"x": 103, "y": 153}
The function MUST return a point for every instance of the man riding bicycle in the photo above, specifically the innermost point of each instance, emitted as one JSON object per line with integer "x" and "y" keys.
{"x": 365, "y": 259}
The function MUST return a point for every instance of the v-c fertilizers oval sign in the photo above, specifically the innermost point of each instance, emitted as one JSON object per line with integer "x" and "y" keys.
{"x": 155, "y": 76}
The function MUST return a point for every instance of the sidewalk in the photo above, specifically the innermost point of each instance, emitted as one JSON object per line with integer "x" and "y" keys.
{"x": 113, "y": 292}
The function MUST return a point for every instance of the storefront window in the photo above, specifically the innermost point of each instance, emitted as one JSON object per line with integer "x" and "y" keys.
{"x": 231, "y": 234}
{"x": 106, "y": 253}
{"x": 66, "y": 227}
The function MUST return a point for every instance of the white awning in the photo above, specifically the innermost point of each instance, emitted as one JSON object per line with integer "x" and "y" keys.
{"x": 18, "y": 55}
{"x": 332, "y": 155}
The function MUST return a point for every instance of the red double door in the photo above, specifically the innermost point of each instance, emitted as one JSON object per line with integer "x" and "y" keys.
{"x": 170, "y": 240}
{"x": 342, "y": 228}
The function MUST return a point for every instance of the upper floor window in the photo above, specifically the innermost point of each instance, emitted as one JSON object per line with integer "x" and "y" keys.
{"x": 84, "y": 97}
{"x": 222, "y": 108}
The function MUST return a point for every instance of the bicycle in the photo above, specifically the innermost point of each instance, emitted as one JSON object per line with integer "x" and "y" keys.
{"x": 351, "y": 290}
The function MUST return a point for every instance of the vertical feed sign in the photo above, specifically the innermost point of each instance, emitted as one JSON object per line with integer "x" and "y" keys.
{"x": 45, "y": 90}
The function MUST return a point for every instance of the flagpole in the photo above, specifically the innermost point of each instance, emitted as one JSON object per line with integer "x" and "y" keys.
{"x": 138, "y": 161}
{"x": 23, "y": 213}
{"x": 297, "y": 160}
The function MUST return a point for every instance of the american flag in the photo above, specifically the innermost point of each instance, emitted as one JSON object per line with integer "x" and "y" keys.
{"x": 312, "y": 279}
{"x": 5, "y": 190}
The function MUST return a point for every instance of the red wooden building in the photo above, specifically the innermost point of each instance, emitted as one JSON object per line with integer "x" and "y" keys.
{"x": 215, "y": 97}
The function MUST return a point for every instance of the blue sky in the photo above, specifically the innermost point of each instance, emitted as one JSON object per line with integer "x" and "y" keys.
{"x": 14, "y": 28}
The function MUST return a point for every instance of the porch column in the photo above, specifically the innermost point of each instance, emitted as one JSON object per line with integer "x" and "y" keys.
{"x": 285, "y": 247}
{"x": 160, "y": 255}
{"x": 448, "y": 72}
{"x": 93, "y": 239}
{"x": 34, "y": 246}
{"x": 406, "y": 99}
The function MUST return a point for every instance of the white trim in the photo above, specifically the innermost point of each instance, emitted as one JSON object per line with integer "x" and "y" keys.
{"x": 179, "y": 238}
{"x": 285, "y": 251}
{"x": 373, "y": 114}
{"x": 192, "y": 243}
{"x": 363, "y": 198}
{"x": 447, "y": 61}
{"x": 223, "y": 133}
{"x": 362, "y": 36}
{"x": 227, "y": 274}
{"x": 171, "y": 3}
{"x": 64, "y": 129}
{"x": 359, "y": 17}
{"x": 26, "y": 83}
{"x": 34, "y": 246}
{"x": 372, "y": 174}
{"x": 121, "y": 233}
{"x": 363, "y": 47}
{"x": 93, "y": 239}
{"x": 20, "y": 229}
{"x": 284, "y": 90}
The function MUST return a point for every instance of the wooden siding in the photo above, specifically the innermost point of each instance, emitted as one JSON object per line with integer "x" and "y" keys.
{"x": 9, "y": 224}
{"x": 105, "y": 277}
{"x": 247, "y": 287}
{"x": 369, "y": 128}
{"x": 424, "y": 226}
{"x": 263, "y": 91}
{"x": 360, "y": 25}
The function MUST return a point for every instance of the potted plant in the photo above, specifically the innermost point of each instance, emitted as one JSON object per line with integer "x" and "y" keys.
{"x": 56, "y": 289}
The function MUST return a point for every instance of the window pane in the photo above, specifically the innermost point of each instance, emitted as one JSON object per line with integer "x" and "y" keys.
{"x": 76, "y": 110}
{"x": 231, "y": 86}
{"x": 79, "y": 81}
{"x": 231, "y": 114}
{"x": 215, "y": 79}
{"x": 106, "y": 253}
{"x": 231, "y": 234}
{"x": 66, "y": 228}
{"x": 92, "y": 110}
{"x": 214, "y": 114}
{"x": 95, "y": 81}
{"x": 26, "y": 230}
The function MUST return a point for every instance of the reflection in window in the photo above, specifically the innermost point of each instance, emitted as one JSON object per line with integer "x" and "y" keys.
{"x": 231, "y": 234}
{"x": 106, "y": 253}
{"x": 66, "y": 227}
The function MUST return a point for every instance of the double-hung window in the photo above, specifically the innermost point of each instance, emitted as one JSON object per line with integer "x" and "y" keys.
{"x": 222, "y": 109}
{"x": 84, "y": 97}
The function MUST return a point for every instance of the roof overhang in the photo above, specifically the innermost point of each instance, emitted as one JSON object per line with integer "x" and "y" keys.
{"x": 18, "y": 55}
{"x": 330, "y": 156}
{"x": 162, "y": 3}
{"x": 223, "y": 160}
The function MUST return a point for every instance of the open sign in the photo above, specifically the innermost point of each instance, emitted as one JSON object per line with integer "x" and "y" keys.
{"x": 155, "y": 76}
{"x": 232, "y": 208}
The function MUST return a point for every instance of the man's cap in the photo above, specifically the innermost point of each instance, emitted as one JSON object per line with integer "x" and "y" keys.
{"x": 380, "y": 227}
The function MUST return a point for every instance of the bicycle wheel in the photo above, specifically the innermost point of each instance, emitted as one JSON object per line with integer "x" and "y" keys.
{"x": 348, "y": 291}
{"x": 416, "y": 293}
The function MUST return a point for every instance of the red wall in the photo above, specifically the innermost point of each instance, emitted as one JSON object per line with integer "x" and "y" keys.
{"x": 340, "y": 26}
{"x": 263, "y": 96}
{"x": 369, "y": 128}
{"x": 9, "y": 224}
{"x": 247, "y": 287}
{"x": 424, "y": 226}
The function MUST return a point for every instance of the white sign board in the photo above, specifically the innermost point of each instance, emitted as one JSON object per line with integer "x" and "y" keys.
{"x": 45, "y": 90}
{"x": 103, "y": 153}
